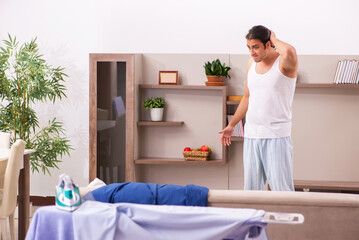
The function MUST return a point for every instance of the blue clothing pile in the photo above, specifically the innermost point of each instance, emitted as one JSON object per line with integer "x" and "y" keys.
{"x": 150, "y": 193}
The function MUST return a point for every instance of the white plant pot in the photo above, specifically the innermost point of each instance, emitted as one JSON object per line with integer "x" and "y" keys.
{"x": 156, "y": 114}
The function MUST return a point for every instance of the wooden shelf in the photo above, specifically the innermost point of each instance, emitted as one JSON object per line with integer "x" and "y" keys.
{"x": 326, "y": 85}
{"x": 327, "y": 185}
{"x": 184, "y": 87}
{"x": 161, "y": 124}
{"x": 233, "y": 102}
{"x": 237, "y": 139}
{"x": 180, "y": 161}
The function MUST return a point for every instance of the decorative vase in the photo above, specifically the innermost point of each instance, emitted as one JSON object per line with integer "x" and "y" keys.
{"x": 156, "y": 114}
{"x": 214, "y": 78}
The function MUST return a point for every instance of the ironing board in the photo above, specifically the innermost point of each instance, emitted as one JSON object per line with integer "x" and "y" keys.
{"x": 96, "y": 220}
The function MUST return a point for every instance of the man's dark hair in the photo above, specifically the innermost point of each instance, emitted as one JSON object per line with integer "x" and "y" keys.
{"x": 259, "y": 32}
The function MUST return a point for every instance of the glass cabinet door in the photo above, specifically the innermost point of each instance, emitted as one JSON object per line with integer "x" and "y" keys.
{"x": 111, "y": 121}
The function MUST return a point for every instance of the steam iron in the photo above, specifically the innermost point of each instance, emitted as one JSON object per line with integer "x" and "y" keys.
{"x": 67, "y": 194}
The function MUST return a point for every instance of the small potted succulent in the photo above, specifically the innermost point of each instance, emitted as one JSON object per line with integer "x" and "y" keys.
{"x": 156, "y": 106}
{"x": 215, "y": 71}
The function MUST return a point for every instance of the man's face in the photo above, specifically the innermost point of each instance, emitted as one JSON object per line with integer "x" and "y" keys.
{"x": 256, "y": 49}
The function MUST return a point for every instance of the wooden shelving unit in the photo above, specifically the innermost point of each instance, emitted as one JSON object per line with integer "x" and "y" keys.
{"x": 303, "y": 85}
{"x": 182, "y": 161}
{"x": 160, "y": 124}
{"x": 326, "y": 85}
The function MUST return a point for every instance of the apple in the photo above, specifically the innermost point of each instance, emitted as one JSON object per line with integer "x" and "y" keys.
{"x": 187, "y": 149}
{"x": 204, "y": 148}
{"x": 194, "y": 150}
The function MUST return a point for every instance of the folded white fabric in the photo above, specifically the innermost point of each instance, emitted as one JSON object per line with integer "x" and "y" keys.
{"x": 97, "y": 183}
{"x": 97, "y": 220}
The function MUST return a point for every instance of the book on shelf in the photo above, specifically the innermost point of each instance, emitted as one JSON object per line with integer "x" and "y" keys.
{"x": 352, "y": 76}
{"x": 339, "y": 65}
{"x": 356, "y": 71}
{"x": 347, "y": 72}
{"x": 350, "y": 80}
{"x": 238, "y": 129}
{"x": 342, "y": 71}
{"x": 350, "y": 72}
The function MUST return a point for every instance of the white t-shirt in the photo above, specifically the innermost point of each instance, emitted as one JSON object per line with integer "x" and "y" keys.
{"x": 269, "y": 112}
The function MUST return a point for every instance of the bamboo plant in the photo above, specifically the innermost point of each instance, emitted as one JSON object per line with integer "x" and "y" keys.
{"x": 25, "y": 79}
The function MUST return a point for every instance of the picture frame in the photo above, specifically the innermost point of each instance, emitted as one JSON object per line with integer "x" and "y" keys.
{"x": 168, "y": 77}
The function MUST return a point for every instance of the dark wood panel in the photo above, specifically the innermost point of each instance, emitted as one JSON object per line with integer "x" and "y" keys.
{"x": 42, "y": 201}
{"x": 24, "y": 198}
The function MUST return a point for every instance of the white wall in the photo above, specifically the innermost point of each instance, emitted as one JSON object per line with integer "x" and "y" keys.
{"x": 69, "y": 30}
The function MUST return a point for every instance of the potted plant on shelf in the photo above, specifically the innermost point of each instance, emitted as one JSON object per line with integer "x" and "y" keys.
{"x": 215, "y": 71}
{"x": 156, "y": 107}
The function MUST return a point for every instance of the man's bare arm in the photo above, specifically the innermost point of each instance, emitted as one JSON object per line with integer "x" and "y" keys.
{"x": 289, "y": 60}
{"x": 241, "y": 111}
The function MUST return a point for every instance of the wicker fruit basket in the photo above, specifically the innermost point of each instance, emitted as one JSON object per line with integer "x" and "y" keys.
{"x": 196, "y": 155}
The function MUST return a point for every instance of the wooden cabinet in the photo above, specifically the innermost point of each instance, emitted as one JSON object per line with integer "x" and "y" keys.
{"x": 187, "y": 91}
{"x": 111, "y": 146}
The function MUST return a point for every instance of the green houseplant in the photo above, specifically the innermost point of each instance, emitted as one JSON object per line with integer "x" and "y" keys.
{"x": 215, "y": 71}
{"x": 25, "y": 79}
{"x": 156, "y": 106}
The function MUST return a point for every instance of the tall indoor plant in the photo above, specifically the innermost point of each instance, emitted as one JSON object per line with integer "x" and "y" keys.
{"x": 25, "y": 79}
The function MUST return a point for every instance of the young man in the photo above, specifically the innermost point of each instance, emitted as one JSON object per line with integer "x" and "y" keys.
{"x": 267, "y": 105}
